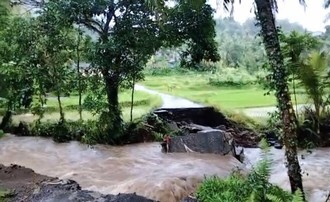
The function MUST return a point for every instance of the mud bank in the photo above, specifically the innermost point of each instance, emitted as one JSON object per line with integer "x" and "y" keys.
{"x": 23, "y": 184}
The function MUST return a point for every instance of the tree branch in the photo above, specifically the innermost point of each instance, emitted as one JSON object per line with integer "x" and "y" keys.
{"x": 328, "y": 197}
{"x": 109, "y": 15}
{"x": 92, "y": 24}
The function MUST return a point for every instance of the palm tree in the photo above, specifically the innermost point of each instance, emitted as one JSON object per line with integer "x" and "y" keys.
{"x": 312, "y": 75}
{"x": 294, "y": 45}
{"x": 265, "y": 15}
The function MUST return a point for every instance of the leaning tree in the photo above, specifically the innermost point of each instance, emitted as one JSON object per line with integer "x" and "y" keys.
{"x": 279, "y": 80}
{"x": 265, "y": 13}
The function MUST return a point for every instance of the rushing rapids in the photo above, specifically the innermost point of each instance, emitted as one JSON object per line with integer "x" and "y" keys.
{"x": 138, "y": 168}
{"x": 145, "y": 170}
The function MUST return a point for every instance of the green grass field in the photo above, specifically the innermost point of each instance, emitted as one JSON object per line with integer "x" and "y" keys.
{"x": 143, "y": 103}
{"x": 195, "y": 87}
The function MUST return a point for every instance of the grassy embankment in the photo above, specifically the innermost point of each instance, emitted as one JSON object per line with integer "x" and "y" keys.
{"x": 232, "y": 100}
{"x": 4, "y": 194}
{"x": 143, "y": 103}
{"x": 196, "y": 87}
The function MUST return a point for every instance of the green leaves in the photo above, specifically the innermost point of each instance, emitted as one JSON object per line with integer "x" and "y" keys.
{"x": 294, "y": 45}
{"x": 312, "y": 75}
{"x": 183, "y": 21}
{"x": 239, "y": 188}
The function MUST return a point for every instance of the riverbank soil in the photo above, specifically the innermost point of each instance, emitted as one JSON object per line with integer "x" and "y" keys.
{"x": 19, "y": 181}
{"x": 18, "y": 184}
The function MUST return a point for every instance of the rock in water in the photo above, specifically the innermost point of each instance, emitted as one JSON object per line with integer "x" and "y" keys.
{"x": 210, "y": 141}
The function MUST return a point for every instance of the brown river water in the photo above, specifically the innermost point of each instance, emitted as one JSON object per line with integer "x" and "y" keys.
{"x": 143, "y": 169}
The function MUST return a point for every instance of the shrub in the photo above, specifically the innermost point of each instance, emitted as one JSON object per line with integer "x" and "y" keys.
{"x": 232, "y": 77}
{"x": 58, "y": 131}
{"x": 91, "y": 133}
{"x": 6, "y": 194}
{"x": 146, "y": 128}
{"x": 232, "y": 189}
{"x": 313, "y": 131}
{"x": 166, "y": 71}
{"x": 64, "y": 131}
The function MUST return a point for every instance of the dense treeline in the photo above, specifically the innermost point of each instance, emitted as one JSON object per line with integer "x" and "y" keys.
{"x": 239, "y": 46}
{"x": 42, "y": 55}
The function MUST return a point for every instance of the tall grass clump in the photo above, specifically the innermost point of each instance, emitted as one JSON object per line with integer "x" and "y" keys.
{"x": 233, "y": 77}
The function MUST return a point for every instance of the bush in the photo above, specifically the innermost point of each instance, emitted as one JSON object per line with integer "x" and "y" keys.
{"x": 239, "y": 188}
{"x": 310, "y": 134}
{"x": 232, "y": 77}
{"x": 6, "y": 194}
{"x": 92, "y": 133}
{"x": 147, "y": 128}
{"x": 232, "y": 189}
{"x": 165, "y": 71}
{"x": 60, "y": 132}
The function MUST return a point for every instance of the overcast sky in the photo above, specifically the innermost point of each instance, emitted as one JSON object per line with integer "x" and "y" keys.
{"x": 312, "y": 17}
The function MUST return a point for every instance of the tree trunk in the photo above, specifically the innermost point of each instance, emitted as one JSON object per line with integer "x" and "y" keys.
{"x": 79, "y": 76}
{"x": 60, "y": 107}
{"x": 132, "y": 99}
{"x": 295, "y": 95}
{"x": 317, "y": 113}
{"x": 6, "y": 120}
{"x": 279, "y": 77}
{"x": 112, "y": 88}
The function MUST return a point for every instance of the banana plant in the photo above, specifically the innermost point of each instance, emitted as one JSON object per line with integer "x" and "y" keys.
{"x": 312, "y": 75}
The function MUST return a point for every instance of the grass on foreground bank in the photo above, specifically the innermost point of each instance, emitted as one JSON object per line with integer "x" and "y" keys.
{"x": 143, "y": 103}
{"x": 196, "y": 87}
{"x": 5, "y": 194}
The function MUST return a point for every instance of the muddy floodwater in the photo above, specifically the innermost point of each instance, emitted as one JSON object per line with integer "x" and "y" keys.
{"x": 140, "y": 168}
{"x": 143, "y": 169}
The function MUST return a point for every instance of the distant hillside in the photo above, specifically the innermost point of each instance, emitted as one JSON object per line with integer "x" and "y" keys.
{"x": 249, "y": 26}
